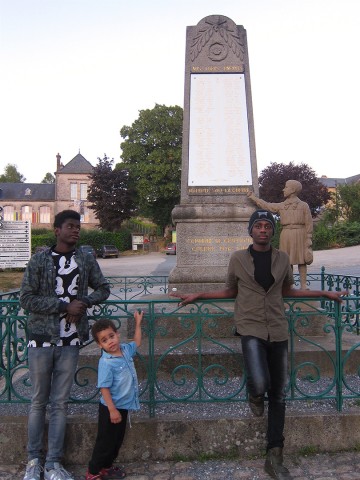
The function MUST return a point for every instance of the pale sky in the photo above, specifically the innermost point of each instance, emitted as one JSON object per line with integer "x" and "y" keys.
{"x": 73, "y": 72}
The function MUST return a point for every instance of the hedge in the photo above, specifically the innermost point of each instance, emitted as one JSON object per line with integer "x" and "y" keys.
{"x": 95, "y": 238}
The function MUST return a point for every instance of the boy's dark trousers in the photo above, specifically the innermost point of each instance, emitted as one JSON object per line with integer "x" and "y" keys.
{"x": 108, "y": 441}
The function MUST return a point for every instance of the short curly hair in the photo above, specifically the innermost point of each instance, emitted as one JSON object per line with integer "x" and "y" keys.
{"x": 101, "y": 325}
{"x": 61, "y": 217}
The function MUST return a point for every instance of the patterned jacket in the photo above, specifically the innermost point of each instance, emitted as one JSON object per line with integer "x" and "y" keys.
{"x": 38, "y": 297}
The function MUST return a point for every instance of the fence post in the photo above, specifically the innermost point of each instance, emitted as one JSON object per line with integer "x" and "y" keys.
{"x": 338, "y": 353}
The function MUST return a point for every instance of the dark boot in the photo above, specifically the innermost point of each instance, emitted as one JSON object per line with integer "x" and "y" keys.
{"x": 274, "y": 464}
{"x": 256, "y": 405}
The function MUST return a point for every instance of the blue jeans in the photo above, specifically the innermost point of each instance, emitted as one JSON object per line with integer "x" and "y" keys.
{"x": 266, "y": 365}
{"x": 52, "y": 372}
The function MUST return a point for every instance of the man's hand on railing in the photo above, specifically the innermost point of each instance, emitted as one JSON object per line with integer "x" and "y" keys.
{"x": 336, "y": 296}
{"x": 228, "y": 292}
{"x": 296, "y": 293}
{"x": 186, "y": 298}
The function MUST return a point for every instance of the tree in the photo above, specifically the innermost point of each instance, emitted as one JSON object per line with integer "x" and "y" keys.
{"x": 12, "y": 175}
{"x": 110, "y": 195}
{"x": 49, "y": 178}
{"x": 151, "y": 152}
{"x": 272, "y": 181}
{"x": 348, "y": 202}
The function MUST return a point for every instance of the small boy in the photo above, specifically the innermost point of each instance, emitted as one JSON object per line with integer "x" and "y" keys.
{"x": 119, "y": 389}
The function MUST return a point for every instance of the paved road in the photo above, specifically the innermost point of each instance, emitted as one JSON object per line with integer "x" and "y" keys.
{"x": 344, "y": 261}
{"x": 138, "y": 265}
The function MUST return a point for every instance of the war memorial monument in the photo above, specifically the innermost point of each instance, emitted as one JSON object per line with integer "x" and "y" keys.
{"x": 218, "y": 155}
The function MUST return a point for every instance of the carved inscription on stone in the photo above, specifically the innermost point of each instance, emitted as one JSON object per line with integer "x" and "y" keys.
{"x": 219, "y": 151}
{"x": 216, "y": 244}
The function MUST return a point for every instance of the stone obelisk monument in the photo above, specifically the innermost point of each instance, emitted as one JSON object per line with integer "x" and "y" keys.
{"x": 218, "y": 155}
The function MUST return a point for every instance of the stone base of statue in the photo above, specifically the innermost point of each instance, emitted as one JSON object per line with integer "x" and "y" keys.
{"x": 206, "y": 236}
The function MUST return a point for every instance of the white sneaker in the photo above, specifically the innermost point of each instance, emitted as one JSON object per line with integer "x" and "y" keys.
{"x": 33, "y": 470}
{"x": 57, "y": 473}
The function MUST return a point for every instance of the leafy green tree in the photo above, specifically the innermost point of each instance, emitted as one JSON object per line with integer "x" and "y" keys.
{"x": 12, "y": 175}
{"x": 151, "y": 152}
{"x": 49, "y": 178}
{"x": 110, "y": 195}
{"x": 273, "y": 178}
{"x": 348, "y": 202}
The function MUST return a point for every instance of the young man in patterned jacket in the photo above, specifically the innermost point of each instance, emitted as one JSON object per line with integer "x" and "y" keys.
{"x": 55, "y": 293}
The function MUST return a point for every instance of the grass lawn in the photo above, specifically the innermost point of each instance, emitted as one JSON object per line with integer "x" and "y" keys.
{"x": 10, "y": 280}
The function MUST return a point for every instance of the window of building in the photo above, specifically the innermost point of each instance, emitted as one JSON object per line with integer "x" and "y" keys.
{"x": 44, "y": 214}
{"x": 26, "y": 213}
{"x": 84, "y": 215}
{"x": 83, "y": 191}
{"x": 9, "y": 215}
{"x": 73, "y": 191}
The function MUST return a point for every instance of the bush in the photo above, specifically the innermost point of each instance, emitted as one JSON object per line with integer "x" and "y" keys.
{"x": 95, "y": 238}
{"x": 342, "y": 234}
{"x": 327, "y": 235}
{"x": 323, "y": 236}
{"x": 40, "y": 239}
{"x": 347, "y": 233}
{"x": 276, "y": 238}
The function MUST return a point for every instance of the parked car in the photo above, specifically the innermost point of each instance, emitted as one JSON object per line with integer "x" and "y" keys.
{"x": 170, "y": 249}
{"x": 108, "y": 251}
{"x": 88, "y": 249}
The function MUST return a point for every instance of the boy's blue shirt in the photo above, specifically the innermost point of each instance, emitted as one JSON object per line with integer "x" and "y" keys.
{"x": 119, "y": 375}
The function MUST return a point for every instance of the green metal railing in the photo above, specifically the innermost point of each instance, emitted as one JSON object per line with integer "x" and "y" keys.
{"x": 133, "y": 287}
{"x": 190, "y": 354}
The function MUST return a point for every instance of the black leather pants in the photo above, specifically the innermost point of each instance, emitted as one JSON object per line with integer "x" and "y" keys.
{"x": 266, "y": 365}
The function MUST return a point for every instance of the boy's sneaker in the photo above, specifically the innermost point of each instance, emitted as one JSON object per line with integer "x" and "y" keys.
{"x": 112, "y": 473}
{"x": 33, "y": 470}
{"x": 93, "y": 476}
{"x": 58, "y": 472}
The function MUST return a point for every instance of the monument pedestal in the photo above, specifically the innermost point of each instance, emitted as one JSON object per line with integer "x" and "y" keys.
{"x": 206, "y": 236}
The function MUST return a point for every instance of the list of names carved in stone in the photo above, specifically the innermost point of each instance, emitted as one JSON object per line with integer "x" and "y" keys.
{"x": 219, "y": 151}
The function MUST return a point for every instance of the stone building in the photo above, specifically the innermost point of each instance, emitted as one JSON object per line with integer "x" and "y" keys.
{"x": 332, "y": 183}
{"x": 40, "y": 202}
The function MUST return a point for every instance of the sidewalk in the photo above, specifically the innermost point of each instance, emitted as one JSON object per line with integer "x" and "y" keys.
{"x": 340, "y": 260}
{"x": 339, "y": 466}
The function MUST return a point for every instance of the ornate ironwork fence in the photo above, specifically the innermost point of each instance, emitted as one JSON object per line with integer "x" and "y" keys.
{"x": 190, "y": 354}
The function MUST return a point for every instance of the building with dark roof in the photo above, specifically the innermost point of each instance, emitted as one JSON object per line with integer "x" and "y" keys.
{"x": 40, "y": 202}
{"x": 332, "y": 183}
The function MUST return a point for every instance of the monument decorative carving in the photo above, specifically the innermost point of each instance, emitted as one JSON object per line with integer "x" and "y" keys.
{"x": 219, "y": 49}
{"x": 297, "y": 226}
